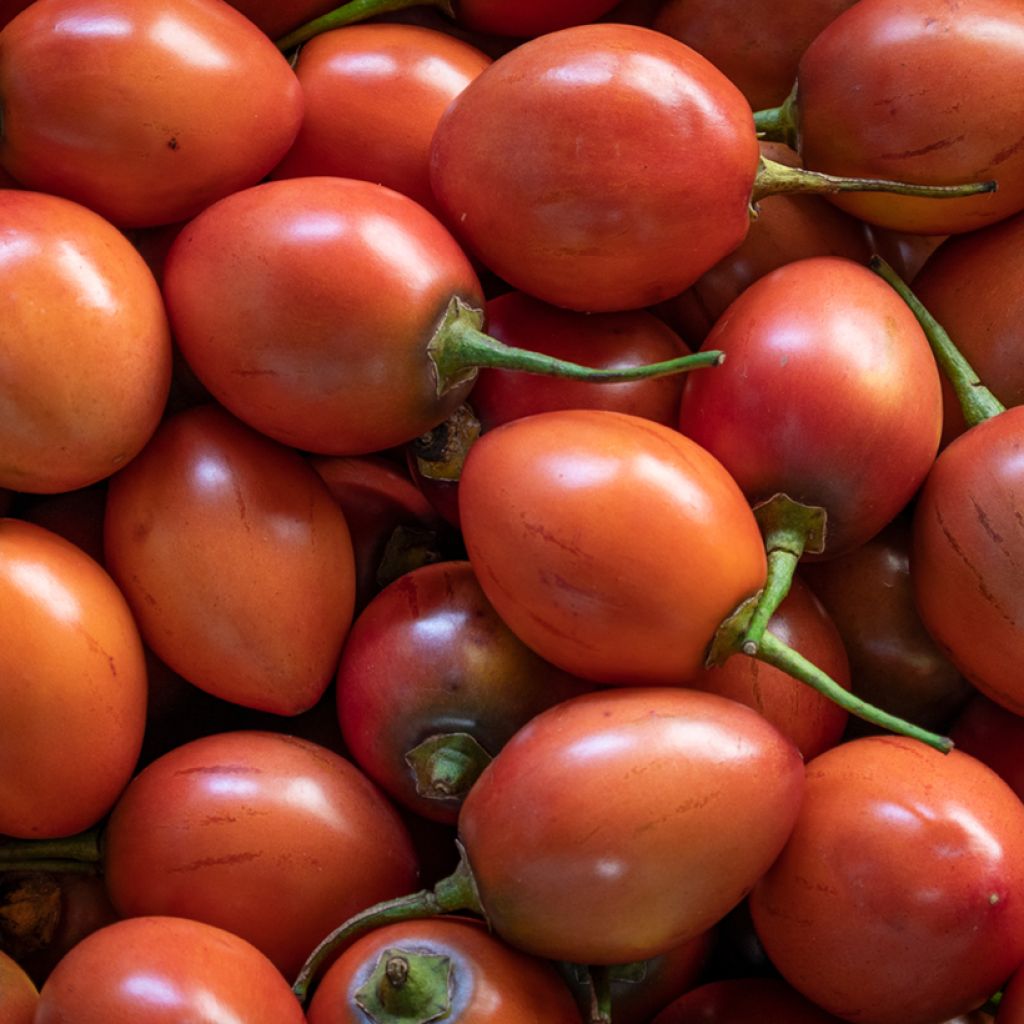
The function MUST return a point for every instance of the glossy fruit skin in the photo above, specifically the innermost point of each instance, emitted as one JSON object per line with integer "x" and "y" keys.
{"x": 924, "y": 91}
{"x": 903, "y": 863}
{"x": 757, "y": 45}
{"x": 971, "y": 286}
{"x": 743, "y": 1001}
{"x": 322, "y": 295}
{"x": 71, "y": 667}
{"x": 965, "y": 560}
{"x": 619, "y": 824}
{"x": 631, "y": 338}
{"x": 623, "y": 159}
{"x": 192, "y": 104}
{"x": 490, "y": 982}
{"x": 373, "y": 97}
{"x": 211, "y": 829}
{"x": 162, "y": 970}
{"x": 85, "y": 345}
{"x": 787, "y": 228}
{"x": 847, "y": 410}
{"x": 235, "y": 559}
{"x": 612, "y": 546}
{"x": 430, "y": 656}
{"x": 810, "y": 720}
{"x": 18, "y": 996}
{"x": 894, "y": 663}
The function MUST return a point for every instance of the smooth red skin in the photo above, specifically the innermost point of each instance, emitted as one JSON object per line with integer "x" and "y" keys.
{"x": 271, "y": 837}
{"x": 235, "y": 559}
{"x": 810, "y": 720}
{"x": 994, "y": 736}
{"x": 623, "y": 160}
{"x": 757, "y": 45}
{"x": 619, "y": 824}
{"x": 787, "y": 228}
{"x": 373, "y": 97}
{"x": 930, "y": 97}
{"x": 306, "y": 307}
{"x": 744, "y": 1001}
{"x": 612, "y": 340}
{"x": 192, "y": 103}
{"x": 428, "y": 656}
{"x": 968, "y": 542}
{"x": 18, "y": 996}
{"x": 73, "y": 690}
{"x": 160, "y": 970}
{"x": 85, "y": 345}
{"x": 847, "y": 408}
{"x": 904, "y": 863}
{"x": 612, "y": 546}
{"x": 894, "y": 663}
{"x": 971, "y": 285}
{"x": 490, "y": 982}
{"x": 376, "y": 498}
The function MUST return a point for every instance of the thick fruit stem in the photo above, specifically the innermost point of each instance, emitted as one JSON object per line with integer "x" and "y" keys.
{"x": 350, "y": 13}
{"x": 976, "y": 401}
{"x": 775, "y": 179}
{"x": 455, "y": 893}
{"x": 779, "y": 124}
{"x": 459, "y": 348}
{"x": 79, "y": 853}
{"x": 789, "y": 528}
{"x": 772, "y": 651}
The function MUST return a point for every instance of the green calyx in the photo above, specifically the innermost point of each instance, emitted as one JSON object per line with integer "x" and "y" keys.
{"x": 446, "y": 765}
{"x": 407, "y": 987}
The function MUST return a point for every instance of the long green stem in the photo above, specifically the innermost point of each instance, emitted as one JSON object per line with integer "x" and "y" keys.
{"x": 350, "y": 13}
{"x": 728, "y": 639}
{"x": 776, "y": 179}
{"x": 789, "y": 528}
{"x": 455, "y": 893}
{"x": 774, "y": 652}
{"x": 977, "y": 402}
{"x": 459, "y": 348}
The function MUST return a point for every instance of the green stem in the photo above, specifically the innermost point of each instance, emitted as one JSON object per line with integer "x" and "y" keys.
{"x": 773, "y": 651}
{"x": 459, "y": 348}
{"x": 775, "y": 179}
{"x": 779, "y": 124}
{"x": 455, "y": 893}
{"x": 30, "y": 854}
{"x": 977, "y": 402}
{"x": 348, "y": 14}
{"x": 789, "y": 528}
{"x": 601, "y": 995}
